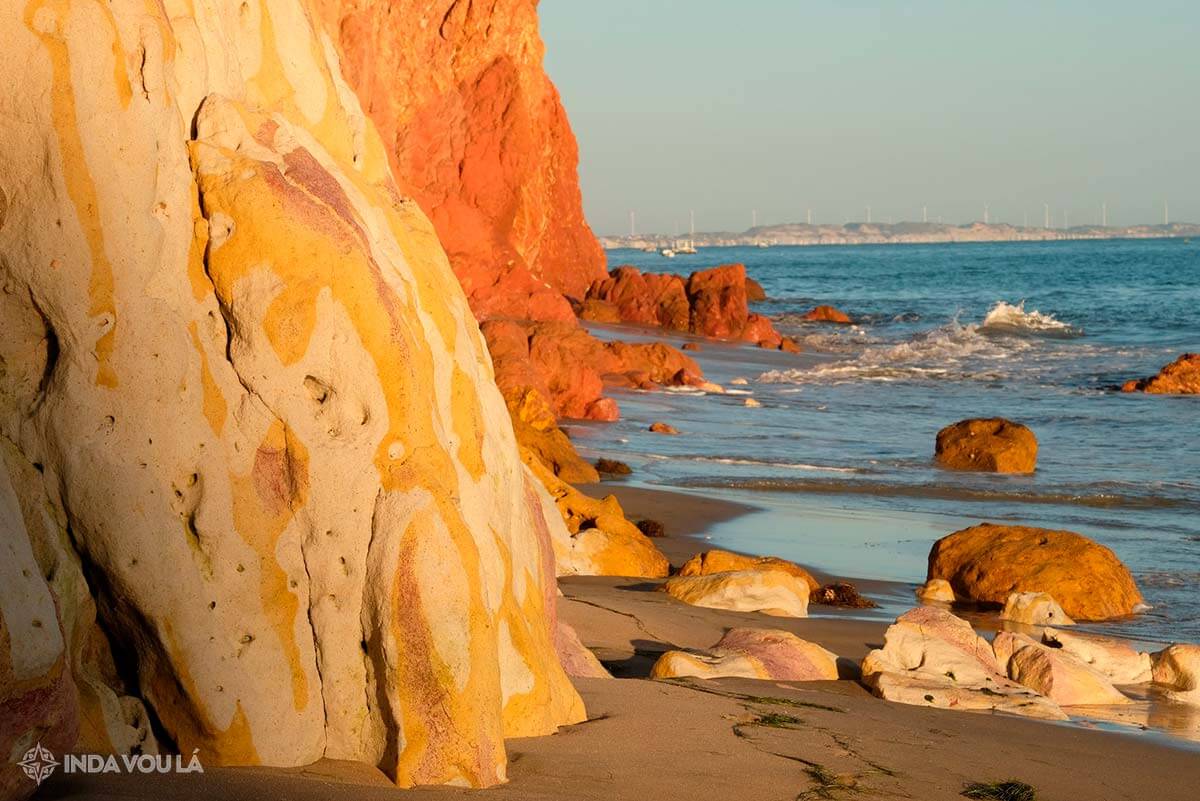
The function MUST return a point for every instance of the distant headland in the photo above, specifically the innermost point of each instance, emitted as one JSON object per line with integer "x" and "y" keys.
{"x": 860, "y": 233}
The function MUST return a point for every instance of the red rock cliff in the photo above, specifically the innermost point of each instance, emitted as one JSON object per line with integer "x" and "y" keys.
{"x": 478, "y": 136}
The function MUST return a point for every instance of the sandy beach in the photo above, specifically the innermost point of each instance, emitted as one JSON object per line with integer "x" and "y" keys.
{"x": 740, "y": 738}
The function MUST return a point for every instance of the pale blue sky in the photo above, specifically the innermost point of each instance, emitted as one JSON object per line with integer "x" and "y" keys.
{"x": 783, "y": 105}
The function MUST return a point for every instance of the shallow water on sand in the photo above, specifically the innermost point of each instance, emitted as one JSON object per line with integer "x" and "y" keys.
{"x": 1038, "y": 332}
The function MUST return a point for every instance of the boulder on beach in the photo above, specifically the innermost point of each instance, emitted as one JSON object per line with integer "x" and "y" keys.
{"x": 1177, "y": 667}
{"x": 711, "y": 303}
{"x": 597, "y": 540}
{"x": 1116, "y": 659}
{"x": 989, "y": 444}
{"x": 719, "y": 561}
{"x": 752, "y": 653}
{"x": 612, "y": 467}
{"x": 751, "y": 403}
{"x": 577, "y": 660}
{"x": 827, "y": 314}
{"x": 773, "y": 592}
{"x": 662, "y": 428}
{"x": 936, "y": 591}
{"x": 1180, "y": 377}
{"x": 932, "y": 658}
{"x": 987, "y": 563}
{"x": 1034, "y": 609}
{"x": 1054, "y": 673}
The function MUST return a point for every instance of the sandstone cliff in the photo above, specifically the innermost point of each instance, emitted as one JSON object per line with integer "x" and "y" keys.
{"x": 479, "y": 138}
{"x": 248, "y": 420}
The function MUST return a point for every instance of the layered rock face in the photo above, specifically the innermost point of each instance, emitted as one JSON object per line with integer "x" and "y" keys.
{"x": 243, "y": 394}
{"x": 988, "y": 562}
{"x": 479, "y": 138}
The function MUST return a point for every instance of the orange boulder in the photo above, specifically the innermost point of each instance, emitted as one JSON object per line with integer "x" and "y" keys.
{"x": 987, "y": 444}
{"x": 987, "y": 563}
{"x": 1180, "y": 377}
{"x": 718, "y": 300}
{"x": 827, "y": 314}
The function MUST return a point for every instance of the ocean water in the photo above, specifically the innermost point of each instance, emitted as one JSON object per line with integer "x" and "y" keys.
{"x": 840, "y": 453}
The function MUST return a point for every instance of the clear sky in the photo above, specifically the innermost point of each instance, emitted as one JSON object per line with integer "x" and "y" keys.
{"x": 723, "y": 106}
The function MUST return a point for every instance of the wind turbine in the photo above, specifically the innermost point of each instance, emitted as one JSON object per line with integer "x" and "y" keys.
{"x": 1104, "y": 214}
{"x": 632, "y": 223}
{"x": 1046, "y": 206}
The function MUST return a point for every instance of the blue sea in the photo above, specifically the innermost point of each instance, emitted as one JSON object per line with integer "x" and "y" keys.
{"x": 840, "y": 453}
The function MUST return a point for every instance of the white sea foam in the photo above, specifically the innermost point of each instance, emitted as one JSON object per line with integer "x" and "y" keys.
{"x": 1009, "y": 319}
{"x": 783, "y": 465}
{"x": 952, "y": 352}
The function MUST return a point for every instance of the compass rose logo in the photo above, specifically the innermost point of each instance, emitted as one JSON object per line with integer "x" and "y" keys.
{"x": 38, "y": 763}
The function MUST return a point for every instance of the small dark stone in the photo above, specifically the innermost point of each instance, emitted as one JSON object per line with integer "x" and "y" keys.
{"x": 652, "y": 528}
{"x": 612, "y": 467}
{"x": 841, "y": 593}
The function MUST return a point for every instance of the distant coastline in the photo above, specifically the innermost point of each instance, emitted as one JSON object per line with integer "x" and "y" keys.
{"x": 899, "y": 233}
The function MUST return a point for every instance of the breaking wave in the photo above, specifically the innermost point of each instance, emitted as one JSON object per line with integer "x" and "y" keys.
{"x": 955, "y": 351}
{"x": 1005, "y": 318}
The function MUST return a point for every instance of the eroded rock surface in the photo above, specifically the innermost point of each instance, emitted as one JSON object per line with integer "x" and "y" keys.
{"x": 237, "y": 356}
{"x": 1116, "y": 659}
{"x": 827, "y": 314}
{"x": 1180, "y": 377}
{"x": 716, "y": 560}
{"x": 598, "y": 539}
{"x": 932, "y": 658}
{"x": 1054, "y": 673}
{"x": 988, "y": 562}
{"x": 753, "y": 654}
{"x": 1034, "y": 609}
{"x": 774, "y": 592}
{"x": 993, "y": 445}
{"x": 479, "y": 138}
{"x": 711, "y": 303}
{"x": 1178, "y": 668}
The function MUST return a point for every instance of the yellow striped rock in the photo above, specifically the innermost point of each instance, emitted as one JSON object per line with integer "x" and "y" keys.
{"x": 252, "y": 390}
